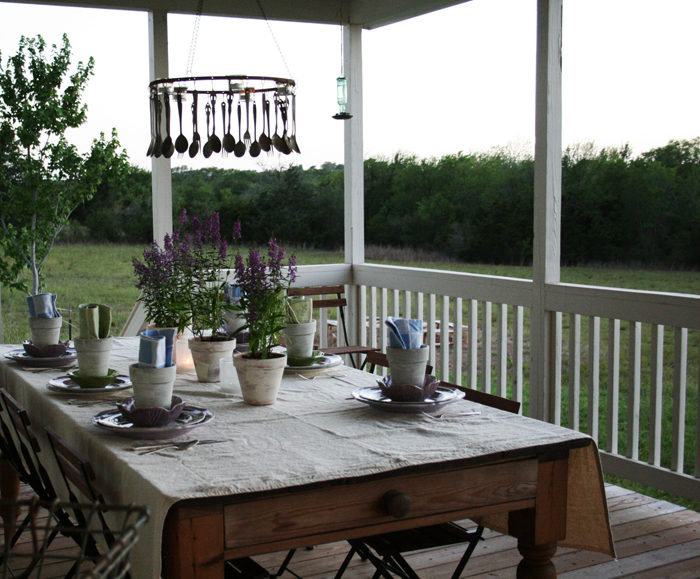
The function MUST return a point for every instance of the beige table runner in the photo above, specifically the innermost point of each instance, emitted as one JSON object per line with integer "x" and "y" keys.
{"x": 312, "y": 433}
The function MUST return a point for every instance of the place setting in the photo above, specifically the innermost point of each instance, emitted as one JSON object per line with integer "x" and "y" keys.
{"x": 408, "y": 388}
{"x": 153, "y": 412}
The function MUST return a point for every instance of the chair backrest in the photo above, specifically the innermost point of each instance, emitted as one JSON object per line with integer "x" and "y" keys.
{"x": 491, "y": 400}
{"x": 338, "y": 290}
{"x": 78, "y": 475}
{"x": 26, "y": 454}
{"x": 375, "y": 359}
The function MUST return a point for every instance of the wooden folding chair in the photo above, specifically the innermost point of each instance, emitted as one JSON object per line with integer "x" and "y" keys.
{"x": 375, "y": 359}
{"x": 21, "y": 450}
{"x": 390, "y": 547}
{"x": 338, "y": 302}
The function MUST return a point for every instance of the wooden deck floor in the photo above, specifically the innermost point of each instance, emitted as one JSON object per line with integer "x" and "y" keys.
{"x": 654, "y": 540}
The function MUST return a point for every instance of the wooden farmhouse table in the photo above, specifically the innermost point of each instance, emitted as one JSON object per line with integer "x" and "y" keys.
{"x": 318, "y": 466}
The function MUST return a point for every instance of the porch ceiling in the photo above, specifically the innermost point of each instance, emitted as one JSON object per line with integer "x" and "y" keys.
{"x": 369, "y": 13}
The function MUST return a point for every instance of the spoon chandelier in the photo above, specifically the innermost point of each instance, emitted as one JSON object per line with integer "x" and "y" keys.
{"x": 257, "y": 103}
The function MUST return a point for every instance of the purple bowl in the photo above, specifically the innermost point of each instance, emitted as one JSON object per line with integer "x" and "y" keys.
{"x": 151, "y": 417}
{"x": 408, "y": 392}
{"x": 49, "y": 351}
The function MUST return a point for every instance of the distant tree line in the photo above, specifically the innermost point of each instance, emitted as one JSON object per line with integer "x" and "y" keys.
{"x": 472, "y": 207}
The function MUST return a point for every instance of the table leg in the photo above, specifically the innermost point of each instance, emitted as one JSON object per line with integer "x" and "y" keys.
{"x": 9, "y": 490}
{"x": 537, "y": 561}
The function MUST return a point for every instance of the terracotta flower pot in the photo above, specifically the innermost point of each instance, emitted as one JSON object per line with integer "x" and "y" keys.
{"x": 206, "y": 355}
{"x": 153, "y": 387}
{"x": 260, "y": 380}
{"x": 408, "y": 366}
{"x": 45, "y": 331}
{"x": 93, "y": 355}
{"x": 300, "y": 340}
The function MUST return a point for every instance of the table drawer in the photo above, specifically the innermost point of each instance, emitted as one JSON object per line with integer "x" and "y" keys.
{"x": 359, "y": 509}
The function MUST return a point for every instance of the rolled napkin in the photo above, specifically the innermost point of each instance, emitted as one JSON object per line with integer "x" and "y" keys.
{"x": 156, "y": 348}
{"x": 95, "y": 321}
{"x": 42, "y": 306}
{"x": 405, "y": 333}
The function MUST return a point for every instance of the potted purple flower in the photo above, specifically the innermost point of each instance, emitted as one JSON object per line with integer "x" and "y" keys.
{"x": 263, "y": 281}
{"x": 183, "y": 285}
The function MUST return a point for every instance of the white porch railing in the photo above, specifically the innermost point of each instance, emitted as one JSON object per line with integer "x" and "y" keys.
{"x": 601, "y": 382}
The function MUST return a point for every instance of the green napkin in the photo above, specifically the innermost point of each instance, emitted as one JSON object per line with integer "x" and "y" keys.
{"x": 95, "y": 321}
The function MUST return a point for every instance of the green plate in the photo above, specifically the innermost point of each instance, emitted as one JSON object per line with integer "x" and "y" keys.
{"x": 93, "y": 381}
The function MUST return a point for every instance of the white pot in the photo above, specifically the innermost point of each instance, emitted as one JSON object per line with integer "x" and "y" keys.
{"x": 408, "y": 366}
{"x": 93, "y": 355}
{"x": 233, "y": 320}
{"x": 300, "y": 339}
{"x": 260, "y": 379}
{"x": 206, "y": 356}
{"x": 153, "y": 387}
{"x": 45, "y": 331}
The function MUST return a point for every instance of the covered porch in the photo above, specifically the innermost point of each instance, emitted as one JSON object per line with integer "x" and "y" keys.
{"x": 579, "y": 355}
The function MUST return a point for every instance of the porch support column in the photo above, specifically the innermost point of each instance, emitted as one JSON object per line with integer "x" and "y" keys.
{"x": 354, "y": 170}
{"x": 161, "y": 184}
{"x": 547, "y": 202}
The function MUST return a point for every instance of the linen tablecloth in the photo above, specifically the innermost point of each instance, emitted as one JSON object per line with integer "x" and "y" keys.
{"x": 312, "y": 433}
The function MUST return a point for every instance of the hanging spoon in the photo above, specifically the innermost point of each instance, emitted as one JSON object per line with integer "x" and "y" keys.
{"x": 255, "y": 146}
{"x": 196, "y": 139}
{"x": 168, "y": 148}
{"x": 277, "y": 141}
{"x": 153, "y": 127}
{"x": 214, "y": 141}
{"x": 181, "y": 143}
{"x": 158, "y": 148}
{"x": 239, "y": 149}
{"x": 293, "y": 137}
{"x": 229, "y": 142}
{"x": 268, "y": 141}
{"x": 206, "y": 150}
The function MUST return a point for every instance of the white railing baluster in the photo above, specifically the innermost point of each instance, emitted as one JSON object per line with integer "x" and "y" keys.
{"x": 574, "y": 371}
{"x": 407, "y": 305}
{"x": 383, "y": 337}
{"x": 486, "y": 333}
{"x": 396, "y": 304}
{"x": 518, "y": 339}
{"x": 634, "y": 373}
{"x": 680, "y": 371}
{"x": 593, "y": 376}
{"x": 373, "y": 317}
{"x": 558, "y": 355}
{"x": 473, "y": 344}
{"x": 502, "y": 351}
{"x": 432, "y": 318}
{"x": 656, "y": 384}
{"x": 419, "y": 306}
{"x": 445, "y": 339}
{"x": 363, "y": 316}
{"x": 457, "y": 354}
{"x": 613, "y": 400}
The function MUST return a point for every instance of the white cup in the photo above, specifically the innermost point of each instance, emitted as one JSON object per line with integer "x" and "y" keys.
{"x": 228, "y": 377}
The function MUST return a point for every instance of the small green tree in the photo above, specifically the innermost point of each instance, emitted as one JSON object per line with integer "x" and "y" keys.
{"x": 43, "y": 178}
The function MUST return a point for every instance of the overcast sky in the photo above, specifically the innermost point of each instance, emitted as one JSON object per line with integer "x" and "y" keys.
{"x": 461, "y": 79}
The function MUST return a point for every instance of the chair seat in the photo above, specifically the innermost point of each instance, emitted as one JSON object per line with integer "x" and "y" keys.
{"x": 417, "y": 539}
{"x": 342, "y": 350}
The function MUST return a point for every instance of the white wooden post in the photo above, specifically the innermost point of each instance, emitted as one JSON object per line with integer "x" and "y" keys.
{"x": 160, "y": 168}
{"x": 547, "y": 201}
{"x": 354, "y": 171}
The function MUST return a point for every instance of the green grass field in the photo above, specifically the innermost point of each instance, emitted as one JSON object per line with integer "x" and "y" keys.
{"x": 104, "y": 274}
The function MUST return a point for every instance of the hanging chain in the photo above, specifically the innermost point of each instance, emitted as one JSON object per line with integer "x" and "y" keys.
{"x": 262, "y": 11}
{"x": 195, "y": 33}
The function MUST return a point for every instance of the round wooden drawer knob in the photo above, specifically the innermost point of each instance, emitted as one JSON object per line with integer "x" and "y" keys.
{"x": 396, "y": 504}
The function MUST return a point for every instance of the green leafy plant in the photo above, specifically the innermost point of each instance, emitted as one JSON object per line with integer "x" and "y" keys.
{"x": 44, "y": 178}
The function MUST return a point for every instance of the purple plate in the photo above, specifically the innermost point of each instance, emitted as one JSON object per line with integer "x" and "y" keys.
{"x": 151, "y": 417}
{"x": 114, "y": 421}
{"x": 31, "y": 362}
